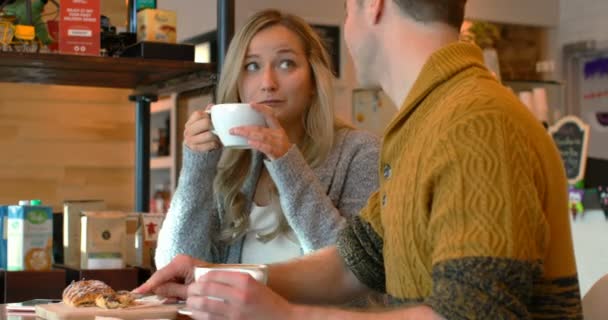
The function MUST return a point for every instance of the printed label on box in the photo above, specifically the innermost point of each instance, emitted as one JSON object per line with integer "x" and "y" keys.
{"x": 103, "y": 238}
{"x": 143, "y": 4}
{"x": 79, "y": 27}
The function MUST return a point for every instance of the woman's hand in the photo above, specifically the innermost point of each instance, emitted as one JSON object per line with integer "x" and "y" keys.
{"x": 235, "y": 296}
{"x": 272, "y": 140}
{"x": 197, "y": 134}
{"x": 172, "y": 281}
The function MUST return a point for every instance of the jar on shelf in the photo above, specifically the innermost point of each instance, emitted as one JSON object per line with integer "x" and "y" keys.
{"x": 159, "y": 203}
{"x": 163, "y": 142}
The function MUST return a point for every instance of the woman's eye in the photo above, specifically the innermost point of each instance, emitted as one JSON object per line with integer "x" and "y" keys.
{"x": 251, "y": 66}
{"x": 286, "y": 64}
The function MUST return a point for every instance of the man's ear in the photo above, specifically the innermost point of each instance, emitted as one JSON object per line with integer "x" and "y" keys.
{"x": 375, "y": 10}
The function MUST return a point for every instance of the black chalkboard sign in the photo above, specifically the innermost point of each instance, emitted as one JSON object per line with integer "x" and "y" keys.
{"x": 571, "y": 136}
{"x": 330, "y": 35}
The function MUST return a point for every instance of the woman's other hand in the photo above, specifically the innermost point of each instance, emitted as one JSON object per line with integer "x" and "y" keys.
{"x": 172, "y": 281}
{"x": 272, "y": 140}
{"x": 197, "y": 134}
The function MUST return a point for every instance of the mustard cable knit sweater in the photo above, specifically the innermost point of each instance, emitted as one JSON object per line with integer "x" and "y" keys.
{"x": 471, "y": 216}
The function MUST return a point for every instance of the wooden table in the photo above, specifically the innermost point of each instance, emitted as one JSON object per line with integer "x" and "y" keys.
{"x": 32, "y": 316}
{"x": 21, "y": 316}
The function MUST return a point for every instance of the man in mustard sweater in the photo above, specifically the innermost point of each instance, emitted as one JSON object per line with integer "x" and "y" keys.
{"x": 471, "y": 217}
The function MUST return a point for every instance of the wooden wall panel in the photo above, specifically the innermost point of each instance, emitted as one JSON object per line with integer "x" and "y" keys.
{"x": 62, "y": 142}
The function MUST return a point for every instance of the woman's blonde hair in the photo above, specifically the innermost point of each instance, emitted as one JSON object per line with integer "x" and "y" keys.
{"x": 318, "y": 121}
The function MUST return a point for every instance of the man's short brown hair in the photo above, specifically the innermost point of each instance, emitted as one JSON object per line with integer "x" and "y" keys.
{"x": 450, "y": 12}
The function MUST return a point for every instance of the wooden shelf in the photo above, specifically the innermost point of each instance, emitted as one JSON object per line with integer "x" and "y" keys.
{"x": 161, "y": 162}
{"x": 147, "y": 77}
{"x": 99, "y": 71}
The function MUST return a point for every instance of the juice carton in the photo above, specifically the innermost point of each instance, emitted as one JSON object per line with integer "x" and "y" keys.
{"x": 3, "y": 247}
{"x": 30, "y": 237}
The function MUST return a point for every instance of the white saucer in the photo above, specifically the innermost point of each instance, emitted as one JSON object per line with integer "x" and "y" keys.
{"x": 184, "y": 311}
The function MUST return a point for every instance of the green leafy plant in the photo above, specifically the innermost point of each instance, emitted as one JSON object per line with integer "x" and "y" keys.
{"x": 484, "y": 34}
{"x": 18, "y": 9}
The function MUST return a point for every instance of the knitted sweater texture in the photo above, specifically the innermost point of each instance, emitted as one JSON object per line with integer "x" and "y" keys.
{"x": 471, "y": 216}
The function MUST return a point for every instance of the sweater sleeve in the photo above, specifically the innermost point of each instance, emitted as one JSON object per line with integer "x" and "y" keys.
{"x": 361, "y": 246}
{"x": 487, "y": 227}
{"x": 315, "y": 219}
{"x": 191, "y": 222}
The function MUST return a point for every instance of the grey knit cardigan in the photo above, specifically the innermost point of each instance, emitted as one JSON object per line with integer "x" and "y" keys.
{"x": 315, "y": 201}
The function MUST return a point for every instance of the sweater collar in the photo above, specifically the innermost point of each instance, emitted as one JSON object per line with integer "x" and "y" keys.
{"x": 440, "y": 67}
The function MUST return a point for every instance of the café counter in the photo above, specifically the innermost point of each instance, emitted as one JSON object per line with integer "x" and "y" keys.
{"x": 16, "y": 286}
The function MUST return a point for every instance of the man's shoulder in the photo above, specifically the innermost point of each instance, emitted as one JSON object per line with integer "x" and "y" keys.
{"x": 478, "y": 103}
{"x": 479, "y": 89}
{"x": 478, "y": 95}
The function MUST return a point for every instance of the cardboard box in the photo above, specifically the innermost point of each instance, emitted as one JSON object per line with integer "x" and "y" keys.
{"x": 157, "y": 25}
{"x": 79, "y": 27}
{"x": 30, "y": 238}
{"x": 148, "y": 235}
{"x": 3, "y": 247}
{"x": 103, "y": 240}
{"x": 72, "y": 212}
{"x": 133, "y": 222}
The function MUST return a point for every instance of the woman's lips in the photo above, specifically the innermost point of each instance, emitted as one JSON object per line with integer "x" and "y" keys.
{"x": 272, "y": 102}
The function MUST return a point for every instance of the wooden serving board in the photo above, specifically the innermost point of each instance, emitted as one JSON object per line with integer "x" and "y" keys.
{"x": 60, "y": 311}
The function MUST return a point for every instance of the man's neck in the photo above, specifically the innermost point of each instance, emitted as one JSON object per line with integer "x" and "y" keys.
{"x": 406, "y": 50}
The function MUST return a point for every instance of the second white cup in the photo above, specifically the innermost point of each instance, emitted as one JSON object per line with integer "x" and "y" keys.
{"x": 257, "y": 271}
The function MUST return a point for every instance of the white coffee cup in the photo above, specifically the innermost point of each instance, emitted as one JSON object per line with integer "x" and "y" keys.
{"x": 257, "y": 271}
{"x": 229, "y": 115}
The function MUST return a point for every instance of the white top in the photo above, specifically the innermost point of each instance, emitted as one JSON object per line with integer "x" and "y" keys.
{"x": 264, "y": 220}
{"x": 589, "y": 236}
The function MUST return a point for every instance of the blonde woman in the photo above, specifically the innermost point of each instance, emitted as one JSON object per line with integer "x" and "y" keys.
{"x": 305, "y": 174}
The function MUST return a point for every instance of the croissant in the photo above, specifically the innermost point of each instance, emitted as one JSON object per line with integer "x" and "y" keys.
{"x": 85, "y": 292}
{"x": 120, "y": 299}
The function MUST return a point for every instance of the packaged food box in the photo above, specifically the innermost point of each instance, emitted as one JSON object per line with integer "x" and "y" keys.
{"x": 72, "y": 212}
{"x": 133, "y": 222}
{"x": 157, "y": 25}
{"x": 30, "y": 238}
{"x": 103, "y": 239}
{"x": 147, "y": 235}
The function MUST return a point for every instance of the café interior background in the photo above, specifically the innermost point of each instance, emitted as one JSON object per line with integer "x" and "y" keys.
{"x": 61, "y": 142}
